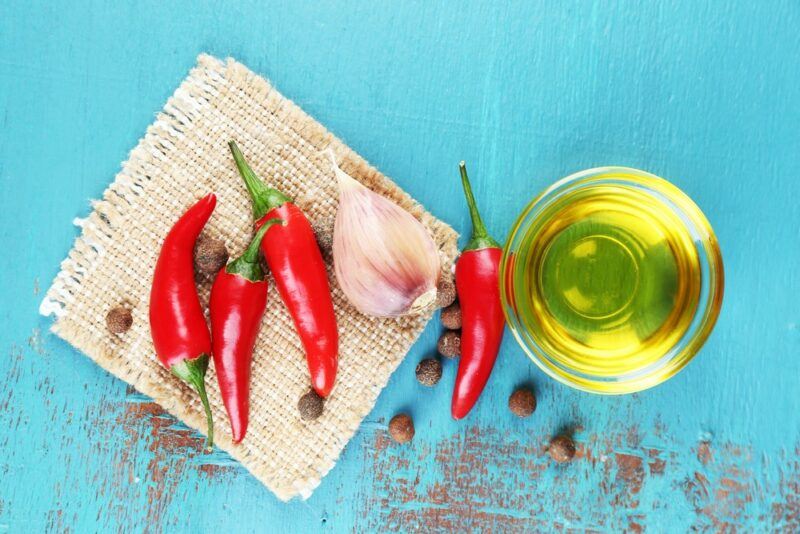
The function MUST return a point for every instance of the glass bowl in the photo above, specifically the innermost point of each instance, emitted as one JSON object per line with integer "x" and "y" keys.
{"x": 669, "y": 358}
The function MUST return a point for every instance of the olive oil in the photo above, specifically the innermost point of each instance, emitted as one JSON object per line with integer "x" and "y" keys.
{"x": 607, "y": 280}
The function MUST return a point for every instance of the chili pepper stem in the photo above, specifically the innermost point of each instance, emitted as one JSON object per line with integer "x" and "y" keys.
{"x": 480, "y": 236}
{"x": 193, "y": 372}
{"x": 247, "y": 265}
{"x": 264, "y": 198}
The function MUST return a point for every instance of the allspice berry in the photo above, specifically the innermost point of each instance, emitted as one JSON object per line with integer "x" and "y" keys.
{"x": 445, "y": 292}
{"x": 429, "y": 371}
{"x": 451, "y": 316}
{"x": 210, "y": 255}
{"x": 310, "y": 405}
{"x": 449, "y": 345}
{"x": 119, "y": 320}
{"x": 522, "y": 402}
{"x": 401, "y": 428}
{"x": 323, "y": 230}
{"x": 561, "y": 449}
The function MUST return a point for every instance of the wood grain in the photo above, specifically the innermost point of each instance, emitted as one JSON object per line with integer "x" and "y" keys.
{"x": 702, "y": 93}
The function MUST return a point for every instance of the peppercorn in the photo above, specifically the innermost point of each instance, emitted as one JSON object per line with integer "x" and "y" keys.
{"x": 310, "y": 405}
{"x": 451, "y": 316}
{"x": 561, "y": 449}
{"x": 401, "y": 428}
{"x": 119, "y": 320}
{"x": 323, "y": 230}
{"x": 449, "y": 344}
{"x": 210, "y": 255}
{"x": 522, "y": 402}
{"x": 445, "y": 292}
{"x": 429, "y": 371}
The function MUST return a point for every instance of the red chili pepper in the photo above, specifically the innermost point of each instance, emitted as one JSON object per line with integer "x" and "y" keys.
{"x": 237, "y": 304}
{"x": 177, "y": 324}
{"x": 296, "y": 263}
{"x": 482, "y": 321}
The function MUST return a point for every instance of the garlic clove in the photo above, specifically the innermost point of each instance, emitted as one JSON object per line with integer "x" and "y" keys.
{"x": 385, "y": 260}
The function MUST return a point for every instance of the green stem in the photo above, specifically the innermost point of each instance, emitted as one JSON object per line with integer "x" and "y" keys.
{"x": 480, "y": 236}
{"x": 247, "y": 265}
{"x": 193, "y": 372}
{"x": 264, "y": 198}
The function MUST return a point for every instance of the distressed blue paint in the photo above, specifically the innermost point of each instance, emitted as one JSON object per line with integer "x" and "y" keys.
{"x": 704, "y": 93}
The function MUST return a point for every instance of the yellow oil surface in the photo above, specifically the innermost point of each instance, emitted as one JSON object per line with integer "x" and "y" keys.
{"x": 610, "y": 280}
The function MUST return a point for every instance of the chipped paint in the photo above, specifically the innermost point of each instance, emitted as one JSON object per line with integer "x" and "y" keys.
{"x": 704, "y": 455}
{"x": 35, "y": 342}
{"x": 169, "y": 448}
{"x": 175, "y": 452}
{"x": 481, "y": 479}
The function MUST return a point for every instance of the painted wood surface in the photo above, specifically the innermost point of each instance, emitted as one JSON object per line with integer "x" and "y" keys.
{"x": 703, "y": 92}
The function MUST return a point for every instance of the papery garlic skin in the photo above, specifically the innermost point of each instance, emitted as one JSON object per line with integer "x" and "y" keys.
{"x": 384, "y": 259}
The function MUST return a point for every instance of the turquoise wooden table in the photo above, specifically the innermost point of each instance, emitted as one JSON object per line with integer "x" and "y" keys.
{"x": 704, "y": 93}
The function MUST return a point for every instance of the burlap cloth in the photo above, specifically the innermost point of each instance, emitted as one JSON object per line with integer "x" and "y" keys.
{"x": 183, "y": 156}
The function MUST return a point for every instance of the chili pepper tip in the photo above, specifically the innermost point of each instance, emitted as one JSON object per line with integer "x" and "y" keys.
{"x": 209, "y": 198}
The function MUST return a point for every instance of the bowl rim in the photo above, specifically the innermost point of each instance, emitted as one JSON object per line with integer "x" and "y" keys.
{"x": 708, "y": 310}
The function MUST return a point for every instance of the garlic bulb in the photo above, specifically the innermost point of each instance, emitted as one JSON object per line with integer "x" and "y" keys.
{"x": 385, "y": 260}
